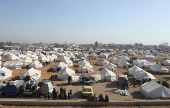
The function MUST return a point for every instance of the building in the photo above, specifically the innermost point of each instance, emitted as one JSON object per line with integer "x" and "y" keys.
{"x": 96, "y": 44}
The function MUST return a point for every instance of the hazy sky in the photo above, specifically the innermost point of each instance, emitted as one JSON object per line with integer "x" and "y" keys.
{"x": 85, "y": 21}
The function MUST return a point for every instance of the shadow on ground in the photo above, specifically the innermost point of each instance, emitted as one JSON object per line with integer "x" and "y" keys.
{"x": 137, "y": 95}
{"x": 77, "y": 95}
{"x": 111, "y": 85}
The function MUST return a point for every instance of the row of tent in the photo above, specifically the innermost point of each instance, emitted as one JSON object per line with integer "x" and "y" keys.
{"x": 32, "y": 73}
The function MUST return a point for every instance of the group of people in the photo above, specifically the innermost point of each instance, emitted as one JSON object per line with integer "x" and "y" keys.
{"x": 100, "y": 98}
{"x": 45, "y": 63}
{"x": 63, "y": 94}
{"x": 56, "y": 95}
{"x": 164, "y": 83}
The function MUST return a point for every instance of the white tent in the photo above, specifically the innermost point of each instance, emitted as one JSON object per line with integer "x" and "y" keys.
{"x": 143, "y": 75}
{"x": 33, "y": 73}
{"x": 107, "y": 75}
{"x": 148, "y": 57}
{"x": 35, "y": 64}
{"x": 138, "y": 61}
{"x": 82, "y": 62}
{"x": 64, "y": 73}
{"x": 147, "y": 52}
{"x": 158, "y": 68}
{"x": 113, "y": 60}
{"x": 153, "y": 90}
{"x": 166, "y": 62}
{"x": 11, "y": 57}
{"x": 59, "y": 66}
{"x": 146, "y": 64}
{"x": 93, "y": 55}
{"x": 123, "y": 64}
{"x": 123, "y": 58}
{"x": 134, "y": 69}
{"x": 12, "y": 64}
{"x": 25, "y": 62}
{"x": 102, "y": 62}
{"x": 5, "y": 73}
{"x": 111, "y": 67}
{"x": 104, "y": 55}
{"x": 164, "y": 55}
{"x": 130, "y": 52}
{"x": 85, "y": 68}
{"x": 67, "y": 61}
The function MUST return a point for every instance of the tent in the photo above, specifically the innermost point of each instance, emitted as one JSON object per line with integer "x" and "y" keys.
{"x": 5, "y": 73}
{"x": 153, "y": 90}
{"x": 111, "y": 67}
{"x": 166, "y": 62}
{"x": 104, "y": 55}
{"x": 11, "y": 57}
{"x": 67, "y": 61}
{"x": 123, "y": 64}
{"x": 158, "y": 68}
{"x": 138, "y": 61}
{"x": 59, "y": 66}
{"x": 35, "y": 64}
{"x": 64, "y": 73}
{"x": 82, "y": 62}
{"x": 143, "y": 75}
{"x": 12, "y": 64}
{"x": 148, "y": 57}
{"x": 123, "y": 58}
{"x": 134, "y": 69}
{"x": 113, "y": 60}
{"x": 85, "y": 68}
{"x": 33, "y": 73}
{"x": 102, "y": 62}
{"x": 146, "y": 64}
{"x": 107, "y": 75}
{"x": 25, "y": 62}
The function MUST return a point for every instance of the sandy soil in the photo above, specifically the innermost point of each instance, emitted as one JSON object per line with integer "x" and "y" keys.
{"x": 99, "y": 88}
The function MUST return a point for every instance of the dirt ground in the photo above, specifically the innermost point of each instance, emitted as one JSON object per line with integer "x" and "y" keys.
{"x": 99, "y": 88}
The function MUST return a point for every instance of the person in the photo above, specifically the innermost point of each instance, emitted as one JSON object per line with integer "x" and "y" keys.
{"x": 101, "y": 97}
{"x": 54, "y": 93}
{"x": 65, "y": 96}
{"x": 45, "y": 96}
{"x": 126, "y": 85}
{"x": 106, "y": 98}
{"x": 167, "y": 85}
{"x": 143, "y": 81}
{"x": 38, "y": 93}
{"x": 159, "y": 82}
{"x": 150, "y": 79}
{"x": 48, "y": 95}
{"x": 46, "y": 63}
{"x": 64, "y": 91}
{"x": 90, "y": 97}
{"x": 61, "y": 90}
{"x": 134, "y": 82}
{"x": 69, "y": 78}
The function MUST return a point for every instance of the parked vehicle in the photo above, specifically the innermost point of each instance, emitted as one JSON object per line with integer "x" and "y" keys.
{"x": 14, "y": 87}
{"x": 46, "y": 86}
{"x": 86, "y": 91}
{"x": 31, "y": 87}
{"x": 2, "y": 87}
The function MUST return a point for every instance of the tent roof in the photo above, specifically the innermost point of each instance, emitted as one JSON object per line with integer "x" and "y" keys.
{"x": 106, "y": 72}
